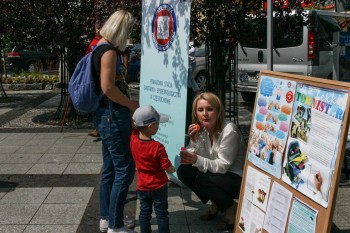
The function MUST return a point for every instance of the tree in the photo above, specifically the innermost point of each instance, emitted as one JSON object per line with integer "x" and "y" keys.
{"x": 218, "y": 23}
{"x": 58, "y": 26}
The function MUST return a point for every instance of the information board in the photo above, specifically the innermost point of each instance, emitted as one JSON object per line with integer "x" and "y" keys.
{"x": 164, "y": 68}
{"x": 294, "y": 154}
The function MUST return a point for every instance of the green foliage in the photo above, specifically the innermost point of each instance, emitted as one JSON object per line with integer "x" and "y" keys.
{"x": 218, "y": 23}
{"x": 31, "y": 78}
{"x": 58, "y": 26}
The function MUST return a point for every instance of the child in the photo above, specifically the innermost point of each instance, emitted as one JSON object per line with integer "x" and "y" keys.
{"x": 151, "y": 163}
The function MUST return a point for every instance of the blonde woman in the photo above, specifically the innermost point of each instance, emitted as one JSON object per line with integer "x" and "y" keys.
{"x": 113, "y": 122}
{"x": 214, "y": 170}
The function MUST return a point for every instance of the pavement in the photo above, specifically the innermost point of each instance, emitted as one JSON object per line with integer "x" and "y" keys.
{"x": 49, "y": 179}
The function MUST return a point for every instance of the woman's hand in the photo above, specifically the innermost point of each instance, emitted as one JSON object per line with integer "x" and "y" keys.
{"x": 193, "y": 130}
{"x": 188, "y": 157}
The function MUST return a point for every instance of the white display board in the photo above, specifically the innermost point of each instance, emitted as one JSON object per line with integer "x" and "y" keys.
{"x": 164, "y": 68}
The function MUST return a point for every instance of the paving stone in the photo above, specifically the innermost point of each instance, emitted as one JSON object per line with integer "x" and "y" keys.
{"x": 13, "y": 142}
{"x": 179, "y": 228}
{"x": 56, "y": 158}
{"x": 83, "y": 168}
{"x": 51, "y": 229}
{"x": 33, "y": 149}
{"x": 4, "y": 157}
{"x": 47, "y": 141}
{"x": 22, "y": 158}
{"x": 67, "y": 149}
{"x": 17, "y": 214}
{"x": 12, "y": 228}
{"x": 20, "y": 136}
{"x": 90, "y": 149}
{"x": 87, "y": 158}
{"x": 14, "y": 168}
{"x": 48, "y": 168}
{"x": 8, "y": 149}
{"x": 25, "y": 196}
{"x": 45, "y": 136}
{"x": 3, "y": 192}
{"x": 62, "y": 214}
{"x": 69, "y": 195}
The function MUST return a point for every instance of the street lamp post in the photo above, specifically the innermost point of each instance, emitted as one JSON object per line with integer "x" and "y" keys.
{"x": 269, "y": 35}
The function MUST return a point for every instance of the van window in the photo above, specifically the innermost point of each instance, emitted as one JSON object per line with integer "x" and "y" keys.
{"x": 326, "y": 26}
{"x": 288, "y": 32}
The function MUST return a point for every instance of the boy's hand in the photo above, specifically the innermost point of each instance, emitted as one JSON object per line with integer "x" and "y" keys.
{"x": 170, "y": 169}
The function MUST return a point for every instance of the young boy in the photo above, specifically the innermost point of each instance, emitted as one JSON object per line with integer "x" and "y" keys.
{"x": 151, "y": 162}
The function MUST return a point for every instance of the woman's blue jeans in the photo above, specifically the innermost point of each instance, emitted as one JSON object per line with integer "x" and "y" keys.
{"x": 159, "y": 198}
{"x": 118, "y": 168}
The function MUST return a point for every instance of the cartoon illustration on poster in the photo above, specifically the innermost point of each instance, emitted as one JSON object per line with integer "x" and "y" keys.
{"x": 271, "y": 124}
{"x": 312, "y": 147}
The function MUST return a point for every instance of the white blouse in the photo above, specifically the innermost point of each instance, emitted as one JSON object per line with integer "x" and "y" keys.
{"x": 227, "y": 153}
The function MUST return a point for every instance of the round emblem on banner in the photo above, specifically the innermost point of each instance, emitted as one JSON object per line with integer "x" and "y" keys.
{"x": 164, "y": 27}
{"x": 289, "y": 96}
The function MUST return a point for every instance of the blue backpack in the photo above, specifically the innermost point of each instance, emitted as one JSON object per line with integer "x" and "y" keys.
{"x": 82, "y": 87}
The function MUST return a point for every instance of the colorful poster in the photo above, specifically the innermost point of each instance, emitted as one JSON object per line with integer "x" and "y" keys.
{"x": 312, "y": 147}
{"x": 164, "y": 72}
{"x": 271, "y": 124}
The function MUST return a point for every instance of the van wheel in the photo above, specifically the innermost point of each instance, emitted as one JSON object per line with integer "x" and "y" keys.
{"x": 201, "y": 80}
{"x": 248, "y": 97}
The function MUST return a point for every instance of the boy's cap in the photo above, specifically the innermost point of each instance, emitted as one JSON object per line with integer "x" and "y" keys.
{"x": 146, "y": 115}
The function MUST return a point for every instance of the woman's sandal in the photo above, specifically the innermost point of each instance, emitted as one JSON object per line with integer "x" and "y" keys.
{"x": 208, "y": 215}
{"x": 224, "y": 225}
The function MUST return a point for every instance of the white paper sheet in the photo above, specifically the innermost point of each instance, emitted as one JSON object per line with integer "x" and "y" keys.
{"x": 277, "y": 209}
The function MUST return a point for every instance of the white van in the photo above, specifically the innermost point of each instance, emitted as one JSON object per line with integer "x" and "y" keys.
{"x": 298, "y": 48}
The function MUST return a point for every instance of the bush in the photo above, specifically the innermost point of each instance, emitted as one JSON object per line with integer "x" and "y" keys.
{"x": 31, "y": 78}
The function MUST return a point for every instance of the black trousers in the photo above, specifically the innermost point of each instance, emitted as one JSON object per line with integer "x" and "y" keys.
{"x": 218, "y": 188}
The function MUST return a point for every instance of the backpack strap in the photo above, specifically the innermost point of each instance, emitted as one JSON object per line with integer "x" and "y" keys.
{"x": 96, "y": 65}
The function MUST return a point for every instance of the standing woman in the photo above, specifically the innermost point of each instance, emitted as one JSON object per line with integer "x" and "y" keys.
{"x": 214, "y": 170}
{"x": 113, "y": 122}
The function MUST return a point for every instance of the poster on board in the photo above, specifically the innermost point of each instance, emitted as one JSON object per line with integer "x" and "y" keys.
{"x": 164, "y": 72}
{"x": 271, "y": 124}
{"x": 277, "y": 211}
{"x": 255, "y": 199}
{"x": 312, "y": 147}
{"x": 303, "y": 218}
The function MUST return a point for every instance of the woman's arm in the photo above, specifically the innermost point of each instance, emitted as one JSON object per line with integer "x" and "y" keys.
{"x": 108, "y": 70}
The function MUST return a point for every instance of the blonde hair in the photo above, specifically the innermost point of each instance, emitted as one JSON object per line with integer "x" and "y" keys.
{"x": 216, "y": 103}
{"x": 117, "y": 28}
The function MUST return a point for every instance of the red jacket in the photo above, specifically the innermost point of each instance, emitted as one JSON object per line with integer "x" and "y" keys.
{"x": 151, "y": 162}
{"x": 92, "y": 44}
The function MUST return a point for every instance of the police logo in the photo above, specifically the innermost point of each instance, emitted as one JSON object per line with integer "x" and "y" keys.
{"x": 164, "y": 27}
